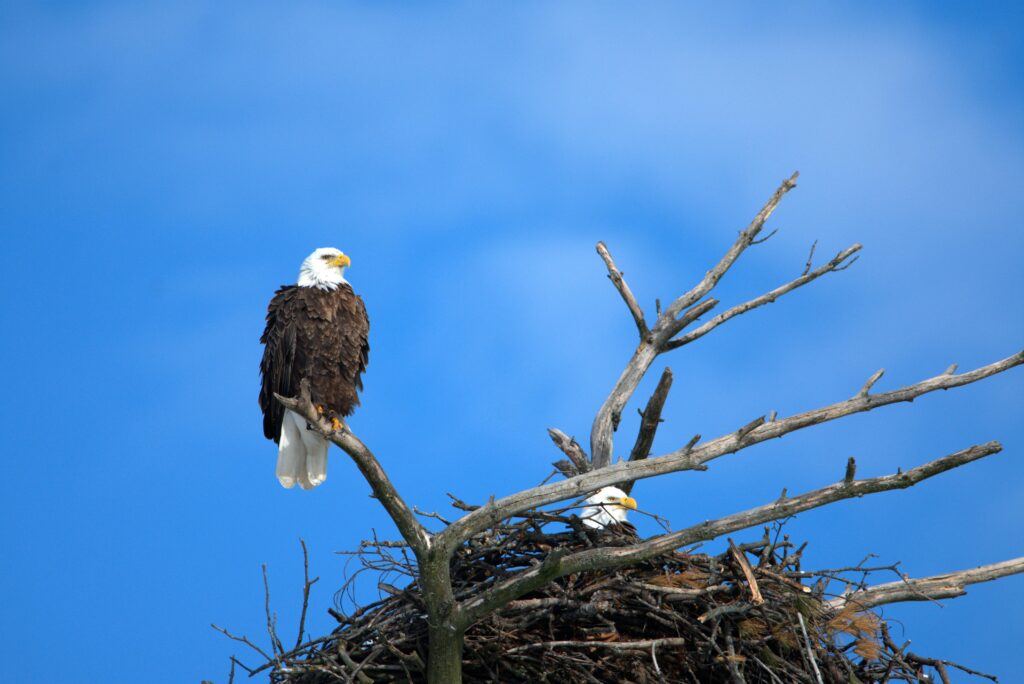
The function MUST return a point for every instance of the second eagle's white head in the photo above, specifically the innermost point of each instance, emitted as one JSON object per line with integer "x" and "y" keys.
{"x": 607, "y": 507}
{"x": 324, "y": 268}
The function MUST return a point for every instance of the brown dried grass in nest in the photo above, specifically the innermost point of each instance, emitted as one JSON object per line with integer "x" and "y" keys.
{"x": 746, "y": 615}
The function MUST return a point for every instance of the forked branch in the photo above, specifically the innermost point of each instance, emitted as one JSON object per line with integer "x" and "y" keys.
{"x": 692, "y": 457}
{"x": 685, "y": 310}
{"x": 838, "y": 263}
{"x": 605, "y": 558}
{"x": 745, "y": 239}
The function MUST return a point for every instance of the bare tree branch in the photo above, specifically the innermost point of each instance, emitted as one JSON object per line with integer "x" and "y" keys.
{"x": 948, "y": 585}
{"x": 810, "y": 650}
{"x": 245, "y": 640}
{"x": 670, "y": 323}
{"x": 747, "y": 236}
{"x": 871, "y": 382}
{"x": 558, "y": 564}
{"x": 571, "y": 448}
{"x": 810, "y": 258}
{"x": 755, "y": 592}
{"x": 607, "y": 420}
{"x": 275, "y": 642}
{"x": 832, "y": 266}
{"x": 410, "y": 528}
{"x": 627, "y": 295}
{"x": 307, "y": 585}
{"x": 694, "y": 457}
{"x": 638, "y": 645}
{"x": 650, "y": 418}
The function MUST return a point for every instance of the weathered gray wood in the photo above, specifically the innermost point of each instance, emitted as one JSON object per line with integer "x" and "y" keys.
{"x": 683, "y": 311}
{"x": 615, "y": 557}
{"x": 948, "y": 585}
{"x": 650, "y": 418}
{"x": 838, "y": 263}
{"x": 411, "y": 529}
{"x": 695, "y": 457}
{"x": 627, "y": 295}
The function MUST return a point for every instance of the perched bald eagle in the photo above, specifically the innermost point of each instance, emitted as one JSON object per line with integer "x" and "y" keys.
{"x": 607, "y": 507}
{"x": 317, "y": 330}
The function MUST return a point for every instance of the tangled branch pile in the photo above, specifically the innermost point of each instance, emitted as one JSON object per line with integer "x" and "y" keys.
{"x": 750, "y": 614}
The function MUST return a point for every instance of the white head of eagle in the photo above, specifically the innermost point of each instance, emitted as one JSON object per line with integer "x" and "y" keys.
{"x": 324, "y": 268}
{"x": 607, "y": 507}
{"x": 317, "y": 330}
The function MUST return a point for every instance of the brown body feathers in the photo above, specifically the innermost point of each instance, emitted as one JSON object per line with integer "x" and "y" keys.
{"x": 317, "y": 334}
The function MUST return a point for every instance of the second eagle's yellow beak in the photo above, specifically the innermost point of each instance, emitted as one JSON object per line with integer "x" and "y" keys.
{"x": 341, "y": 260}
{"x": 628, "y": 502}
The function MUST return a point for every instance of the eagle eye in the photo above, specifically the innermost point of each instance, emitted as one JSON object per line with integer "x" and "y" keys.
{"x": 325, "y": 257}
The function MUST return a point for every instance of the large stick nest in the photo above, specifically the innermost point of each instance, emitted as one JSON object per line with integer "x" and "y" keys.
{"x": 750, "y": 614}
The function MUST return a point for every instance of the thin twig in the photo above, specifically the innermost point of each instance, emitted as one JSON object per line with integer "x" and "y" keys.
{"x": 810, "y": 258}
{"x": 810, "y": 650}
{"x": 244, "y": 640}
{"x": 833, "y": 266}
{"x": 275, "y": 643}
{"x": 695, "y": 457}
{"x": 305, "y": 591}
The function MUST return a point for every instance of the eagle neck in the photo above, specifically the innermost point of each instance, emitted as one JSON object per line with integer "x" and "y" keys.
{"x": 321, "y": 280}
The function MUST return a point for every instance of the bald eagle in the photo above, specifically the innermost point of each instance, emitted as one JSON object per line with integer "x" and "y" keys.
{"x": 607, "y": 507}
{"x": 316, "y": 330}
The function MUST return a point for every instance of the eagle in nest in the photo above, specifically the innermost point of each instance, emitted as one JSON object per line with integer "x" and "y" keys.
{"x": 317, "y": 330}
{"x": 607, "y": 509}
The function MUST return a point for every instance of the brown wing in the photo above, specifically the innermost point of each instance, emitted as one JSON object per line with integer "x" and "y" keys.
{"x": 317, "y": 334}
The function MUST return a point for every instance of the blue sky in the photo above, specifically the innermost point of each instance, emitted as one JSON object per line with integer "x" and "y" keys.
{"x": 163, "y": 168}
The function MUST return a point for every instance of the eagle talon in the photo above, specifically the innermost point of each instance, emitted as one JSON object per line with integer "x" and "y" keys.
{"x": 337, "y": 425}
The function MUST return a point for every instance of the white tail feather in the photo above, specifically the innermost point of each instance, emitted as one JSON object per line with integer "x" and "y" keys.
{"x": 316, "y": 457}
{"x": 291, "y": 451}
{"x": 302, "y": 454}
{"x": 316, "y": 463}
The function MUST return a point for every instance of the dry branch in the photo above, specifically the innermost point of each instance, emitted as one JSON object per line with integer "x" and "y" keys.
{"x": 835, "y": 265}
{"x": 627, "y": 295}
{"x": 694, "y": 457}
{"x": 948, "y": 585}
{"x": 556, "y": 565}
{"x": 412, "y": 531}
{"x": 744, "y": 240}
{"x": 683, "y": 311}
{"x": 650, "y": 419}
{"x": 571, "y": 448}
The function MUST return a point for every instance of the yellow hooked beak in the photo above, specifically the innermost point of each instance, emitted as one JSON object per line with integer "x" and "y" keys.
{"x": 628, "y": 502}
{"x": 341, "y": 260}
